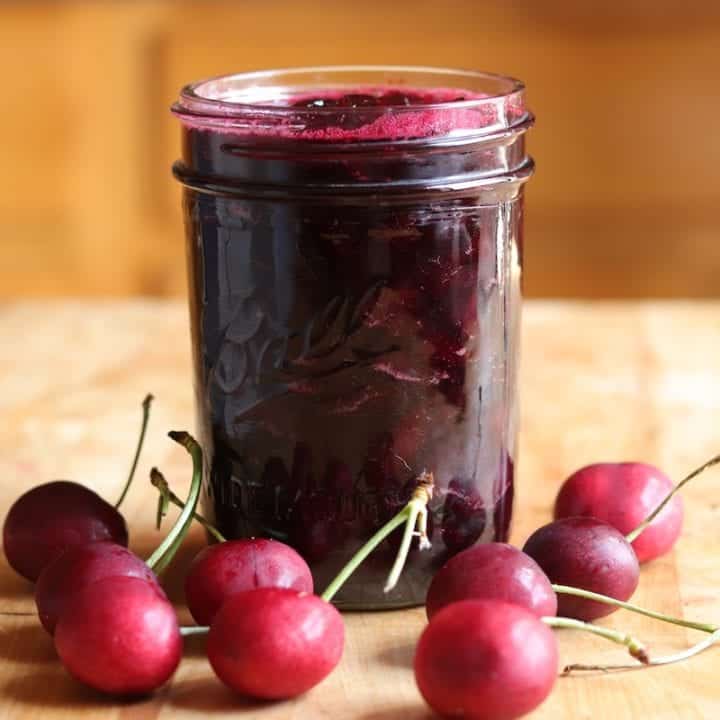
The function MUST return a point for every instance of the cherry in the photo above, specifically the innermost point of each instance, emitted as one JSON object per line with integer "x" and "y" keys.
{"x": 339, "y": 482}
{"x": 275, "y": 643}
{"x": 504, "y": 503}
{"x": 589, "y": 554}
{"x": 382, "y": 98}
{"x": 50, "y": 518}
{"x": 464, "y": 516}
{"x": 350, "y": 100}
{"x": 119, "y": 635}
{"x": 275, "y": 481}
{"x": 78, "y": 567}
{"x": 313, "y": 517}
{"x": 485, "y": 660}
{"x": 338, "y": 478}
{"x": 623, "y": 495}
{"x": 301, "y": 476}
{"x": 379, "y": 468}
{"x": 493, "y": 571}
{"x": 315, "y": 526}
{"x": 222, "y": 570}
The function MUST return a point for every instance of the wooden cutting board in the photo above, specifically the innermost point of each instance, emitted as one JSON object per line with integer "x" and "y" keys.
{"x": 599, "y": 382}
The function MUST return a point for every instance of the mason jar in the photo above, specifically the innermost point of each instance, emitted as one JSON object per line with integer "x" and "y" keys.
{"x": 354, "y": 244}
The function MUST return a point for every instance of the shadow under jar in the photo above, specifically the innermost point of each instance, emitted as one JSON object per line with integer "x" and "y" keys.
{"x": 354, "y": 249}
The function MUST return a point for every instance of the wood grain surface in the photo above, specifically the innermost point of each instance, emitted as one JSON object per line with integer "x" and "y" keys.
{"x": 599, "y": 382}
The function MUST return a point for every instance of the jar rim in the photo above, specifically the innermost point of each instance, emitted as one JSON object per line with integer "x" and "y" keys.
{"x": 212, "y": 92}
{"x": 253, "y": 101}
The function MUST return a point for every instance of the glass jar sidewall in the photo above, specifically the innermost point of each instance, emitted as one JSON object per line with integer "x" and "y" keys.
{"x": 323, "y": 344}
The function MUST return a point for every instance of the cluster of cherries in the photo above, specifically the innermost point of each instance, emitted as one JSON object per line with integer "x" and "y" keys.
{"x": 114, "y": 628}
{"x": 488, "y": 650}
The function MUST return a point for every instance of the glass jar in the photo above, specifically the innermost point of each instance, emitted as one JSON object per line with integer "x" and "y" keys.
{"x": 354, "y": 241}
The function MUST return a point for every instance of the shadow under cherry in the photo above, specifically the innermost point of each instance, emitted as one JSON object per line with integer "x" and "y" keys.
{"x": 23, "y": 640}
{"x": 209, "y": 695}
{"x": 16, "y": 593}
{"x": 56, "y": 689}
{"x": 401, "y": 712}
{"x": 400, "y": 655}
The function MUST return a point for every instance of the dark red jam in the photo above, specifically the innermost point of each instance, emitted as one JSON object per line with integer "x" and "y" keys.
{"x": 353, "y": 319}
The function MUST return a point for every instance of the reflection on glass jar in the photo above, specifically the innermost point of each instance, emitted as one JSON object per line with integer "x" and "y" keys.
{"x": 354, "y": 245}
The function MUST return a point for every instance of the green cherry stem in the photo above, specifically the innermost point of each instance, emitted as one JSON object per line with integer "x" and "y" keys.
{"x": 146, "y": 416}
{"x": 634, "y": 646}
{"x": 416, "y": 524}
{"x": 332, "y": 589}
{"x": 167, "y": 496}
{"x": 165, "y": 552}
{"x": 643, "y": 525}
{"x": 578, "y": 592}
{"x": 412, "y": 515}
{"x": 666, "y": 660}
{"x": 186, "y": 630}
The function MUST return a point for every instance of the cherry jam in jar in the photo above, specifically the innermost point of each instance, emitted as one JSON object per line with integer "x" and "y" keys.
{"x": 354, "y": 241}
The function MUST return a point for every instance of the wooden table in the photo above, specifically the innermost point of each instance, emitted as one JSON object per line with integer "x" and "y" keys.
{"x": 599, "y": 382}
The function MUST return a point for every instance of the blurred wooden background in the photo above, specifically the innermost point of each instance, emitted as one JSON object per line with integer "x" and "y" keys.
{"x": 625, "y": 203}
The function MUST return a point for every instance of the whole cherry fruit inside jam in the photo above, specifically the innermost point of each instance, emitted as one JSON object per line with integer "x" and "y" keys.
{"x": 78, "y": 567}
{"x": 275, "y": 643}
{"x": 623, "y": 495}
{"x": 222, "y": 570}
{"x": 463, "y": 516}
{"x": 50, "y": 518}
{"x": 494, "y": 571}
{"x": 485, "y": 660}
{"x": 589, "y": 554}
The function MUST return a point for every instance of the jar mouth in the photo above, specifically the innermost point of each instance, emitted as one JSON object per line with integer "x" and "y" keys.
{"x": 261, "y": 89}
{"x": 445, "y": 103}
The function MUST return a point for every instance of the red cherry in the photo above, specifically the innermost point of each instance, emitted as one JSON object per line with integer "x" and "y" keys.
{"x": 623, "y": 495}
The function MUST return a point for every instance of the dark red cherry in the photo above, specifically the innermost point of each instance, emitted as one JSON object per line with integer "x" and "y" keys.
{"x": 464, "y": 516}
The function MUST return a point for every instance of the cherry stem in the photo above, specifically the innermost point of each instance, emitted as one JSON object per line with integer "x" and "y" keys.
{"x": 416, "y": 518}
{"x": 643, "y": 525}
{"x": 13, "y": 613}
{"x": 340, "y": 579}
{"x": 635, "y": 647}
{"x": 187, "y": 630}
{"x": 167, "y": 496}
{"x": 143, "y": 428}
{"x": 165, "y": 552}
{"x": 666, "y": 660}
{"x": 578, "y": 592}
{"x": 414, "y": 513}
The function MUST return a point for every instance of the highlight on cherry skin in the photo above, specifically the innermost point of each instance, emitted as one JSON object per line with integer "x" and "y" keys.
{"x": 623, "y": 494}
{"x": 119, "y": 635}
{"x": 232, "y": 566}
{"x": 80, "y": 566}
{"x": 492, "y": 571}
{"x": 485, "y": 660}
{"x": 488, "y": 651}
{"x": 585, "y": 553}
{"x": 275, "y": 643}
{"x": 48, "y": 519}
{"x": 225, "y": 569}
